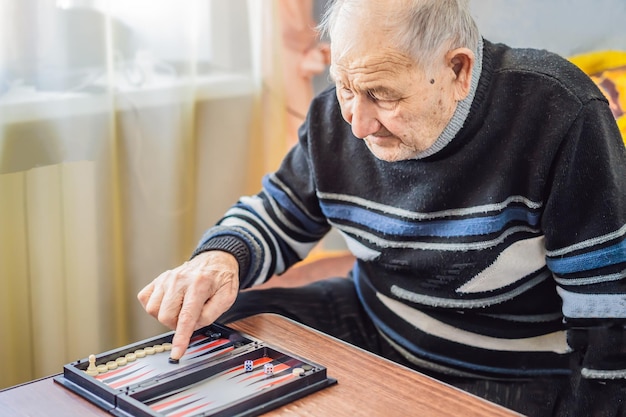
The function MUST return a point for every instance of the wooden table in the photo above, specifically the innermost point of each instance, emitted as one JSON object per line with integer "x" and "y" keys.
{"x": 367, "y": 384}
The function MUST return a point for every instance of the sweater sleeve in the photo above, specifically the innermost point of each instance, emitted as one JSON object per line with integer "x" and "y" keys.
{"x": 585, "y": 226}
{"x": 276, "y": 228}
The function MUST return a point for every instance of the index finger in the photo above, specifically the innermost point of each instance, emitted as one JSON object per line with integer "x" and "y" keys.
{"x": 186, "y": 324}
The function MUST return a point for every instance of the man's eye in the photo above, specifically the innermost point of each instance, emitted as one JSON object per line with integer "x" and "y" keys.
{"x": 380, "y": 97}
{"x": 373, "y": 96}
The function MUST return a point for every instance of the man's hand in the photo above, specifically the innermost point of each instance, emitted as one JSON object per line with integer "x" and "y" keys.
{"x": 192, "y": 295}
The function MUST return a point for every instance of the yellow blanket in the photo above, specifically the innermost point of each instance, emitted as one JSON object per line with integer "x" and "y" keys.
{"x": 608, "y": 70}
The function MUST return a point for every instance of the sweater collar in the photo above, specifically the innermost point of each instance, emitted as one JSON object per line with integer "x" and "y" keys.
{"x": 461, "y": 112}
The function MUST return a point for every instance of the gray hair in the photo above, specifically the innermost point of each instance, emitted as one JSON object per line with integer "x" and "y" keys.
{"x": 420, "y": 28}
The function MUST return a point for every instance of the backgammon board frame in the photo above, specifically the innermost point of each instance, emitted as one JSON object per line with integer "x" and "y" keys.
{"x": 133, "y": 399}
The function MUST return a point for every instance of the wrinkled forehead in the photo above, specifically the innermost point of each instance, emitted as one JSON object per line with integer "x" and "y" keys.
{"x": 371, "y": 62}
{"x": 354, "y": 51}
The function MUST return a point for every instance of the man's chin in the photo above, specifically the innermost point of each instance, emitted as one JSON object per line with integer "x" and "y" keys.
{"x": 389, "y": 153}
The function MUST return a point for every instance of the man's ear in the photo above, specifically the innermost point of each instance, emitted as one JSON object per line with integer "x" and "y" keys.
{"x": 461, "y": 62}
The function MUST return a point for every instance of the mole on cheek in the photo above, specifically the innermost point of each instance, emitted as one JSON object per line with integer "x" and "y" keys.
{"x": 432, "y": 81}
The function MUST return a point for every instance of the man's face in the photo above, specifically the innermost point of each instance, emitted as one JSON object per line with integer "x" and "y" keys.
{"x": 391, "y": 103}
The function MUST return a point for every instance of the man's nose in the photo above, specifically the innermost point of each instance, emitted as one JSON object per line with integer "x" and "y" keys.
{"x": 363, "y": 118}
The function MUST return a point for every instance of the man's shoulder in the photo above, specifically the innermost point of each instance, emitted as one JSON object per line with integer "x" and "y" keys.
{"x": 541, "y": 63}
{"x": 328, "y": 95}
{"x": 507, "y": 58}
{"x": 325, "y": 107}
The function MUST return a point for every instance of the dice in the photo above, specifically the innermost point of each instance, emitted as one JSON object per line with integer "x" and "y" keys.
{"x": 248, "y": 366}
{"x": 268, "y": 368}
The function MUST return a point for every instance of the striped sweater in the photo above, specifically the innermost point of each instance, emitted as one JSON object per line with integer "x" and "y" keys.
{"x": 492, "y": 256}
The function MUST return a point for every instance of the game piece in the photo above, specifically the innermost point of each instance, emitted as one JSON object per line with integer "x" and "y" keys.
{"x": 268, "y": 369}
{"x": 158, "y": 348}
{"x": 248, "y": 365}
{"x": 297, "y": 371}
{"x": 103, "y": 368}
{"x": 149, "y": 350}
{"x": 140, "y": 353}
{"x": 172, "y": 360}
{"x": 111, "y": 365}
{"x": 167, "y": 346}
{"x": 92, "y": 369}
{"x": 121, "y": 361}
{"x": 215, "y": 336}
{"x": 130, "y": 357}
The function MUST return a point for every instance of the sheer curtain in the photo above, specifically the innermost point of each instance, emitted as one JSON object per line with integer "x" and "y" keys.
{"x": 126, "y": 129}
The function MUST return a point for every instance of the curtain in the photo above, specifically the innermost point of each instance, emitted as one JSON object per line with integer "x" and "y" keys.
{"x": 126, "y": 129}
{"x": 304, "y": 57}
{"x": 288, "y": 54}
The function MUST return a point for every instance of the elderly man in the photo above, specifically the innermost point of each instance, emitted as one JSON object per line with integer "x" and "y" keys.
{"x": 482, "y": 190}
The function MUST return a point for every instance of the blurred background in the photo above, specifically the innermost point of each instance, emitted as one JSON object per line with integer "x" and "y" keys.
{"x": 128, "y": 127}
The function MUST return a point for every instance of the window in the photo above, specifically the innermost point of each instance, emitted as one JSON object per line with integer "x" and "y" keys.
{"x": 62, "y": 49}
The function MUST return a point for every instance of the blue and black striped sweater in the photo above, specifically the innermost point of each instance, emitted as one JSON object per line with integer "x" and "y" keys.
{"x": 490, "y": 256}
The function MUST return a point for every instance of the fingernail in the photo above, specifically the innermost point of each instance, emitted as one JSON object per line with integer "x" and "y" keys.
{"x": 176, "y": 353}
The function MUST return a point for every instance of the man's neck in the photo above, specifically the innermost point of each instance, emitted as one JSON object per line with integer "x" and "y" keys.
{"x": 462, "y": 110}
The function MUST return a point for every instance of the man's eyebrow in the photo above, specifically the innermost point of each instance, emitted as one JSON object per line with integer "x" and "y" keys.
{"x": 382, "y": 90}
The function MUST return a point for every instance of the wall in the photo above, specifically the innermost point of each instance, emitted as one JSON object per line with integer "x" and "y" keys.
{"x": 566, "y": 27}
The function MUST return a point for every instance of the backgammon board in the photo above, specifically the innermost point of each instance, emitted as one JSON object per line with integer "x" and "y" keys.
{"x": 222, "y": 373}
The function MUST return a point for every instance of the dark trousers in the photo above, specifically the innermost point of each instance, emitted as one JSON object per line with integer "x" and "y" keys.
{"x": 332, "y": 306}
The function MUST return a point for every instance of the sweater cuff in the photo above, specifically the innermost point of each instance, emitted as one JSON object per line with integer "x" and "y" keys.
{"x": 604, "y": 349}
{"x": 229, "y": 244}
